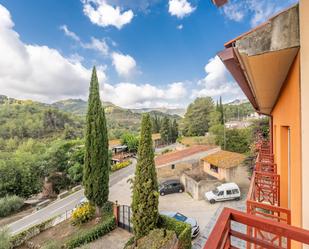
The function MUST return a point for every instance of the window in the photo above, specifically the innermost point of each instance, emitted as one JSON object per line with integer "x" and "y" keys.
{"x": 214, "y": 168}
{"x": 173, "y": 166}
{"x": 235, "y": 191}
{"x": 220, "y": 193}
{"x": 228, "y": 192}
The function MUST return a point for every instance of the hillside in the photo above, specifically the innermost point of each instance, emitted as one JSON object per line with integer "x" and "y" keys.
{"x": 30, "y": 119}
{"x": 170, "y": 111}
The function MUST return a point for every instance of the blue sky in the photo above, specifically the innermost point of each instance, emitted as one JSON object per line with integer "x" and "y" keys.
{"x": 148, "y": 53}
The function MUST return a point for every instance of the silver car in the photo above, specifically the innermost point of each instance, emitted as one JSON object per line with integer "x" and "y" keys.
{"x": 195, "y": 229}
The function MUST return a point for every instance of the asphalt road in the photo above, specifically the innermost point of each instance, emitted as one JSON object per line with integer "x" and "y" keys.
{"x": 66, "y": 204}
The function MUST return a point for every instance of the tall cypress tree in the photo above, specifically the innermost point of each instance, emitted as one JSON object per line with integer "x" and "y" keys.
{"x": 165, "y": 130}
{"x": 221, "y": 109}
{"x": 145, "y": 187}
{"x": 96, "y": 169}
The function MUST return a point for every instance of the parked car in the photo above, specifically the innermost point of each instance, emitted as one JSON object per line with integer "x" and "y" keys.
{"x": 224, "y": 192}
{"x": 195, "y": 229}
{"x": 171, "y": 186}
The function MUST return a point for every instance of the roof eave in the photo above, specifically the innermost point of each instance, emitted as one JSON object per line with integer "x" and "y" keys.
{"x": 231, "y": 62}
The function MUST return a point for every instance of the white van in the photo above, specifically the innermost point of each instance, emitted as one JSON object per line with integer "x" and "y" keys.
{"x": 224, "y": 192}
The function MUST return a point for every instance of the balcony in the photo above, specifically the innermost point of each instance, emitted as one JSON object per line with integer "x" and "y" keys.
{"x": 265, "y": 224}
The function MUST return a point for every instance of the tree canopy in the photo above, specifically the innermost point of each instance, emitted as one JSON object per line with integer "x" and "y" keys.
{"x": 145, "y": 199}
{"x": 96, "y": 168}
{"x": 197, "y": 117}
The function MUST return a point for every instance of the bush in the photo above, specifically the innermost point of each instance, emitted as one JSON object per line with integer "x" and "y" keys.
{"x": 92, "y": 234}
{"x": 121, "y": 165}
{"x": 10, "y": 204}
{"x": 83, "y": 214}
{"x": 5, "y": 239}
{"x": 107, "y": 208}
{"x": 156, "y": 239}
{"x": 182, "y": 230}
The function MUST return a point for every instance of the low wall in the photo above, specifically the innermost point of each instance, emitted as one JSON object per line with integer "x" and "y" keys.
{"x": 197, "y": 189}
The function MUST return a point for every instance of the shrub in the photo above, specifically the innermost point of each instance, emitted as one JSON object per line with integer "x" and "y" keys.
{"x": 10, "y": 204}
{"x": 156, "y": 239}
{"x": 166, "y": 151}
{"x": 182, "y": 230}
{"x": 83, "y": 214}
{"x": 121, "y": 165}
{"x": 92, "y": 234}
{"x": 5, "y": 239}
{"x": 107, "y": 208}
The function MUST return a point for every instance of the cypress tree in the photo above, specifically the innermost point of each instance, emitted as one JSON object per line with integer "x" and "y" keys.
{"x": 145, "y": 186}
{"x": 221, "y": 111}
{"x": 165, "y": 130}
{"x": 96, "y": 168}
{"x": 174, "y": 128}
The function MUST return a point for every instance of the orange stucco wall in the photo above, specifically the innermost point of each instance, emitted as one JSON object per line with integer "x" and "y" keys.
{"x": 286, "y": 116}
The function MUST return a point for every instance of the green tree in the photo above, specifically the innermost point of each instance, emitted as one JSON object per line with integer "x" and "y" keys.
{"x": 96, "y": 168}
{"x": 196, "y": 121}
{"x": 174, "y": 131}
{"x": 165, "y": 130}
{"x": 214, "y": 118}
{"x": 131, "y": 141}
{"x": 221, "y": 111}
{"x": 145, "y": 187}
{"x": 156, "y": 124}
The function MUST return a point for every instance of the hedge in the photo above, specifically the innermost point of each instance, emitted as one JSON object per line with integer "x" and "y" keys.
{"x": 121, "y": 165}
{"x": 182, "y": 230}
{"x": 92, "y": 234}
{"x": 156, "y": 239}
{"x": 10, "y": 204}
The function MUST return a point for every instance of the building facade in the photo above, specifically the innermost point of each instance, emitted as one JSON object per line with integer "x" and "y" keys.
{"x": 271, "y": 65}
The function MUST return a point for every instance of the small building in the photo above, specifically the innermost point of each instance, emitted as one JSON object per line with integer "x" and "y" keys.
{"x": 223, "y": 165}
{"x": 174, "y": 163}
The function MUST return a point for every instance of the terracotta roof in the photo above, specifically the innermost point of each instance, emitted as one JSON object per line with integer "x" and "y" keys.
{"x": 225, "y": 159}
{"x": 177, "y": 155}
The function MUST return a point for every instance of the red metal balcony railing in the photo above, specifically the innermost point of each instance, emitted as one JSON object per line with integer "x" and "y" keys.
{"x": 263, "y": 209}
{"x": 227, "y": 235}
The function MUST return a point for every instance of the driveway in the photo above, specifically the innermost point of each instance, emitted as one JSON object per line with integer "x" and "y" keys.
{"x": 201, "y": 210}
{"x": 61, "y": 206}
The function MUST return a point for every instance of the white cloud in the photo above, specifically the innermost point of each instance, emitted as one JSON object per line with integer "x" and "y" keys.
{"x": 131, "y": 95}
{"x": 180, "y": 27}
{"x": 69, "y": 33}
{"x": 125, "y": 65}
{"x": 97, "y": 45}
{"x": 217, "y": 82}
{"x": 257, "y": 11}
{"x": 104, "y": 15}
{"x": 180, "y": 8}
{"x": 38, "y": 72}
